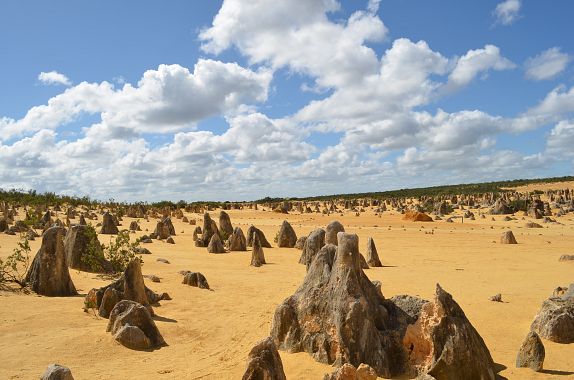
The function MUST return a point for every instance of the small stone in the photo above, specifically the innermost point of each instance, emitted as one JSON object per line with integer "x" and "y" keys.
{"x": 57, "y": 372}
{"x": 496, "y": 298}
{"x": 531, "y": 354}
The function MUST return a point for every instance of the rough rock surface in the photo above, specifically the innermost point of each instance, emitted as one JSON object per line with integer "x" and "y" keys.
{"x": 208, "y": 230}
{"x": 215, "y": 245}
{"x": 237, "y": 241}
{"x": 57, "y": 372}
{"x": 331, "y": 232}
{"x": 108, "y": 225}
{"x": 257, "y": 256}
{"x": 251, "y": 231}
{"x": 507, "y": 237}
{"x": 313, "y": 244}
{"x": 49, "y": 275}
{"x": 225, "y": 226}
{"x": 372, "y": 254}
{"x": 555, "y": 320}
{"x": 76, "y": 244}
{"x": 130, "y": 286}
{"x": 339, "y": 316}
{"x": 300, "y": 243}
{"x": 132, "y": 325}
{"x": 349, "y": 372}
{"x": 195, "y": 279}
{"x": 264, "y": 362}
{"x": 531, "y": 353}
{"x": 444, "y": 344}
{"x": 164, "y": 229}
{"x": 286, "y": 236}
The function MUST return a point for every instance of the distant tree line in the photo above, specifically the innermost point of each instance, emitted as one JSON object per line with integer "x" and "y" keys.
{"x": 32, "y": 197}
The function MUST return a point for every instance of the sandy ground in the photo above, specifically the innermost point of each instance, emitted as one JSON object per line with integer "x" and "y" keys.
{"x": 210, "y": 332}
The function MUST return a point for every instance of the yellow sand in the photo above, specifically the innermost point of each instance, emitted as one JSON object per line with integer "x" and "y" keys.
{"x": 211, "y": 332}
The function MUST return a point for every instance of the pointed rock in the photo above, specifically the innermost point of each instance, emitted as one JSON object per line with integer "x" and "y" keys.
{"x": 531, "y": 354}
{"x": 108, "y": 225}
{"x": 507, "y": 237}
{"x": 286, "y": 236}
{"x": 331, "y": 232}
{"x": 313, "y": 244}
{"x": 372, "y": 255}
{"x": 444, "y": 344}
{"x": 49, "y": 275}
{"x": 215, "y": 245}
{"x": 257, "y": 256}
{"x": 237, "y": 241}
{"x": 264, "y": 362}
{"x": 225, "y": 227}
{"x": 83, "y": 250}
{"x": 339, "y": 316}
{"x": 251, "y": 231}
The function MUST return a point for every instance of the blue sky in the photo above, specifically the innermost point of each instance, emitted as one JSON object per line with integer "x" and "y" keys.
{"x": 238, "y": 100}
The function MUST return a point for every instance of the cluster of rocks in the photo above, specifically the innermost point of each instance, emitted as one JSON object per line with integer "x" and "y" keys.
{"x": 339, "y": 316}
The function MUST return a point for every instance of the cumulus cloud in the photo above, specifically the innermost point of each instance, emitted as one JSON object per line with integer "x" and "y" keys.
{"x": 165, "y": 100}
{"x": 298, "y": 35}
{"x": 54, "y": 78}
{"x": 508, "y": 11}
{"x": 475, "y": 62}
{"x": 560, "y": 140}
{"x": 546, "y": 65}
{"x": 381, "y": 106}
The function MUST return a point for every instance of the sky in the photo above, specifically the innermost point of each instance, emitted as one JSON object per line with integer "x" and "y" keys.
{"x": 242, "y": 99}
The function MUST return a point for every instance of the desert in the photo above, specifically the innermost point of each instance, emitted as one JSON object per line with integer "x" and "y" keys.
{"x": 210, "y": 332}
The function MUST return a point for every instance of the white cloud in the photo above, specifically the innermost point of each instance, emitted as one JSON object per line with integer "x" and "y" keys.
{"x": 165, "y": 100}
{"x": 475, "y": 62}
{"x": 298, "y": 35}
{"x": 54, "y": 78}
{"x": 389, "y": 133}
{"x": 560, "y": 140}
{"x": 507, "y": 11}
{"x": 546, "y": 65}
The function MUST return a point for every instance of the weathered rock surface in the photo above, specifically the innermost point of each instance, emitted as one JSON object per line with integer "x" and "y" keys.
{"x": 215, "y": 245}
{"x": 108, "y": 225}
{"x": 132, "y": 325}
{"x": 251, "y": 231}
{"x": 57, "y": 372}
{"x": 237, "y": 241}
{"x": 257, "y": 256}
{"x": 339, "y": 316}
{"x": 313, "y": 244}
{"x": 372, "y": 254}
{"x": 49, "y": 275}
{"x": 225, "y": 226}
{"x": 300, "y": 243}
{"x": 164, "y": 229}
{"x": 130, "y": 286}
{"x": 349, "y": 372}
{"x": 444, "y": 344}
{"x": 264, "y": 362}
{"x": 531, "y": 353}
{"x": 507, "y": 237}
{"x": 82, "y": 248}
{"x": 195, "y": 279}
{"x": 555, "y": 320}
{"x": 286, "y": 236}
{"x": 331, "y": 232}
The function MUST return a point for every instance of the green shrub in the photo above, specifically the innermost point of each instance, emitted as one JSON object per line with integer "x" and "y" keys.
{"x": 93, "y": 257}
{"x": 15, "y": 267}
{"x": 120, "y": 251}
